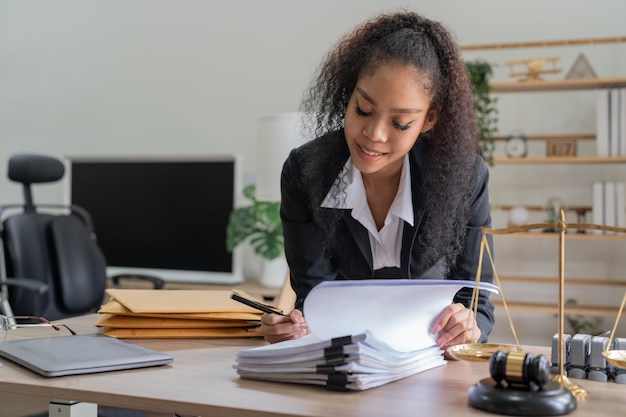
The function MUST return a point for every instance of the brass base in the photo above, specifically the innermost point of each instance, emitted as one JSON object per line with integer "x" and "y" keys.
{"x": 552, "y": 400}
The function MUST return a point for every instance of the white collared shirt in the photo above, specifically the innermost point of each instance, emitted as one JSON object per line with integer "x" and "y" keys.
{"x": 386, "y": 243}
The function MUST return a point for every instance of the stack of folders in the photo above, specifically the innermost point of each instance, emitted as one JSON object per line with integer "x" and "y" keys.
{"x": 138, "y": 314}
{"x": 364, "y": 333}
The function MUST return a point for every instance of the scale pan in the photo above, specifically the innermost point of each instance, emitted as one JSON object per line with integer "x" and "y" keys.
{"x": 479, "y": 352}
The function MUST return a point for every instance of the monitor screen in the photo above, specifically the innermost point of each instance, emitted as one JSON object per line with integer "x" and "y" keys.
{"x": 161, "y": 216}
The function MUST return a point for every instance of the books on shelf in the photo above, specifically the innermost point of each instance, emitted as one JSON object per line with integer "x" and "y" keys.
{"x": 610, "y": 210}
{"x": 611, "y": 122}
{"x": 608, "y": 206}
{"x": 602, "y": 122}
{"x": 364, "y": 333}
{"x": 597, "y": 204}
{"x": 620, "y": 204}
{"x": 622, "y": 122}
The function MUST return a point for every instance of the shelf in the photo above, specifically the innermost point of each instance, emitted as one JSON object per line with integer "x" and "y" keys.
{"x": 568, "y": 236}
{"x": 562, "y": 160}
{"x": 541, "y": 44}
{"x": 589, "y": 310}
{"x": 505, "y": 207}
{"x": 582, "y": 136}
{"x": 557, "y": 85}
{"x": 568, "y": 281}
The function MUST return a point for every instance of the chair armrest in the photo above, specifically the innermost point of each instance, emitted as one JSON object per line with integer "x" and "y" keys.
{"x": 157, "y": 283}
{"x": 37, "y": 287}
{"x": 29, "y": 284}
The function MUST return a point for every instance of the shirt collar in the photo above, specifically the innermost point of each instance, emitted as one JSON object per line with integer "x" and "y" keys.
{"x": 356, "y": 198}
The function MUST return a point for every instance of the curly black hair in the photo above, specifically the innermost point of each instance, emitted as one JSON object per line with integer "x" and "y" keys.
{"x": 452, "y": 144}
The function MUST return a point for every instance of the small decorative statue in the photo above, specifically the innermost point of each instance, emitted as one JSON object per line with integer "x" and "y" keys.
{"x": 553, "y": 209}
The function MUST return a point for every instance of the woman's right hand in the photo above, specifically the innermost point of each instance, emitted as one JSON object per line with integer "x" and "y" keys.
{"x": 277, "y": 328}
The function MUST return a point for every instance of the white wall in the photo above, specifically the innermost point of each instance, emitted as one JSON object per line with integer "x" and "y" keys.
{"x": 193, "y": 76}
{"x": 180, "y": 77}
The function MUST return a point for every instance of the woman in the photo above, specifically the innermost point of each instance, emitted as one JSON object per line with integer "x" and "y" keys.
{"x": 393, "y": 186}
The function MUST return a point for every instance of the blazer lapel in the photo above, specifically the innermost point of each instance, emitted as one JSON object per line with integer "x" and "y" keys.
{"x": 409, "y": 232}
{"x": 361, "y": 238}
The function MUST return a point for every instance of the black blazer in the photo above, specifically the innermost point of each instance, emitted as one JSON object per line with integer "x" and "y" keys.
{"x": 351, "y": 257}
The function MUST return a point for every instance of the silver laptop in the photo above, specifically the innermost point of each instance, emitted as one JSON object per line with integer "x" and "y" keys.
{"x": 81, "y": 354}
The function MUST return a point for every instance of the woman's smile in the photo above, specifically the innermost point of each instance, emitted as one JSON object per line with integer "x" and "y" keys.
{"x": 370, "y": 152}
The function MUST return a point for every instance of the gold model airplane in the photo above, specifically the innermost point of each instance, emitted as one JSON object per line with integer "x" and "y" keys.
{"x": 534, "y": 68}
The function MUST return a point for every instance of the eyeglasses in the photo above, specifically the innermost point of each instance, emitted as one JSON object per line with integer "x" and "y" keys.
{"x": 9, "y": 323}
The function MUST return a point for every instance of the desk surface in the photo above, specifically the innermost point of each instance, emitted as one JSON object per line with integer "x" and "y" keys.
{"x": 201, "y": 381}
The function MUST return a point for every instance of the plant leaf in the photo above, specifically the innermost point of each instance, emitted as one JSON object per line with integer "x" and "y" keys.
{"x": 259, "y": 224}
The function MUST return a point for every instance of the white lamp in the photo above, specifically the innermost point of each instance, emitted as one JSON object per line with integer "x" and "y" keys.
{"x": 277, "y": 135}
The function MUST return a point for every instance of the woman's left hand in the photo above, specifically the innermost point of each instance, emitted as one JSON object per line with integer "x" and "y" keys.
{"x": 455, "y": 325}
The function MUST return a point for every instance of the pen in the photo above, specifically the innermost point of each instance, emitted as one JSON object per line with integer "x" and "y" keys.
{"x": 261, "y": 307}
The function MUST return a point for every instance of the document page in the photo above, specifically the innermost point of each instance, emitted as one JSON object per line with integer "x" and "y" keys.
{"x": 399, "y": 312}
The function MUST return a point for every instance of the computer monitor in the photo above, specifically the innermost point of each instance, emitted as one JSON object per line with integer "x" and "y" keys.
{"x": 161, "y": 216}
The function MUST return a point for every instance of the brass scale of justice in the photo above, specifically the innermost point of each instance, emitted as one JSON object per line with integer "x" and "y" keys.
{"x": 482, "y": 352}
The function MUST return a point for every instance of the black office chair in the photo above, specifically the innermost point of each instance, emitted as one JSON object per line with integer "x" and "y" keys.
{"x": 50, "y": 265}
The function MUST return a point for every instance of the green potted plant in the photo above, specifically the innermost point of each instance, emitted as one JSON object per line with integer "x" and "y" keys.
{"x": 485, "y": 106}
{"x": 259, "y": 224}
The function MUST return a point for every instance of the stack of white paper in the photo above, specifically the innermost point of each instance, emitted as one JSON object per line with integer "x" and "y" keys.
{"x": 364, "y": 333}
{"x": 352, "y": 363}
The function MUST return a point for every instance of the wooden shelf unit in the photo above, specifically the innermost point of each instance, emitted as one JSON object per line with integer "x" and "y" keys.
{"x": 562, "y": 85}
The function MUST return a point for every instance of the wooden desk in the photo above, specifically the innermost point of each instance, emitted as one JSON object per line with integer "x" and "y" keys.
{"x": 201, "y": 382}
